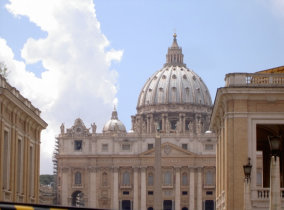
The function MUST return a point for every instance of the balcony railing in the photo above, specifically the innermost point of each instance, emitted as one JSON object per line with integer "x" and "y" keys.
{"x": 263, "y": 194}
{"x": 254, "y": 80}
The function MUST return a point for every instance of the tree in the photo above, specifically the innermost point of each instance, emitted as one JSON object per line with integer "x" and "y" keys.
{"x": 46, "y": 179}
{"x": 3, "y": 70}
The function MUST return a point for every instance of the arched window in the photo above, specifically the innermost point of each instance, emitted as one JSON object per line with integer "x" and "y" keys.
{"x": 150, "y": 179}
{"x": 77, "y": 199}
{"x": 78, "y": 180}
{"x": 104, "y": 179}
{"x": 209, "y": 178}
{"x": 167, "y": 178}
{"x": 126, "y": 178}
{"x": 184, "y": 179}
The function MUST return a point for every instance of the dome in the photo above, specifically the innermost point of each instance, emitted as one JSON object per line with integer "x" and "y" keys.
{"x": 174, "y": 84}
{"x": 114, "y": 125}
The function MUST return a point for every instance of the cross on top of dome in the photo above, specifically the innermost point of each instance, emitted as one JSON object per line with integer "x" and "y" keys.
{"x": 174, "y": 56}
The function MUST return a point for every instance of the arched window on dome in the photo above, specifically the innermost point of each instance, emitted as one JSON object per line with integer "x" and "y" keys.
{"x": 173, "y": 94}
{"x": 187, "y": 124}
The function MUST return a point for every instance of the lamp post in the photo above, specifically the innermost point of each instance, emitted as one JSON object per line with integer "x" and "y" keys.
{"x": 275, "y": 145}
{"x": 247, "y": 196}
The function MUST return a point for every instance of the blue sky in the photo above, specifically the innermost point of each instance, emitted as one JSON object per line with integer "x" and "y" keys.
{"x": 87, "y": 55}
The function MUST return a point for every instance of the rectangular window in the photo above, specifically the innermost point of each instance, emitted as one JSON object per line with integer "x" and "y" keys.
{"x": 78, "y": 145}
{"x": 104, "y": 147}
{"x": 209, "y": 147}
{"x": 6, "y": 161}
{"x": 167, "y": 178}
{"x": 19, "y": 166}
{"x": 31, "y": 171}
{"x": 259, "y": 178}
{"x": 125, "y": 147}
{"x": 150, "y": 193}
{"x": 184, "y": 192}
{"x": 125, "y": 192}
{"x": 184, "y": 146}
{"x": 150, "y": 146}
{"x": 209, "y": 192}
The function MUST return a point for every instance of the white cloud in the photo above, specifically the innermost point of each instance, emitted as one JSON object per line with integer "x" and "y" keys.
{"x": 78, "y": 81}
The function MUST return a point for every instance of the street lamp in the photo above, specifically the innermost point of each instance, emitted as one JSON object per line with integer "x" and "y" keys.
{"x": 247, "y": 197}
{"x": 275, "y": 145}
{"x": 247, "y": 170}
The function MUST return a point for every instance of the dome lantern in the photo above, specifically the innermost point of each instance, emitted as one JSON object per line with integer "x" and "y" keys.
{"x": 114, "y": 125}
{"x": 174, "y": 56}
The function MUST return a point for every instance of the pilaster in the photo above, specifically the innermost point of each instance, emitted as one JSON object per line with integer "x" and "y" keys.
{"x": 177, "y": 188}
{"x": 115, "y": 204}
{"x": 191, "y": 189}
{"x": 143, "y": 188}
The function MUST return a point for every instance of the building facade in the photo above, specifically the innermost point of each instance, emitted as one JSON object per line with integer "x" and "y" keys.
{"x": 20, "y": 129}
{"x": 120, "y": 170}
{"x": 247, "y": 112}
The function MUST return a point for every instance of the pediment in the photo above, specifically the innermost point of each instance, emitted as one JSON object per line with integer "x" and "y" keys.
{"x": 168, "y": 149}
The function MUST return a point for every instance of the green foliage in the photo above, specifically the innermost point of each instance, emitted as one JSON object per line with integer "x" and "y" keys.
{"x": 3, "y": 70}
{"x": 46, "y": 179}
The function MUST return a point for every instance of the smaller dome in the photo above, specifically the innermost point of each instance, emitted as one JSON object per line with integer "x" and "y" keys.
{"x": 114, "y": 125}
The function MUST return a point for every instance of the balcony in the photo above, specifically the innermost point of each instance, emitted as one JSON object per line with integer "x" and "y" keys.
{"x": 260, "y": 198}
{"x": 254, "y": 80}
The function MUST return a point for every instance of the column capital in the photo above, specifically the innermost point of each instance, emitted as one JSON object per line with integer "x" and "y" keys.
{"x": 135, "y": 168}
{"x": 65, "y": 169}
{"x": 115, "y": 168}
{"x": 143, "y": 168}
{"x": 92, "y": 169}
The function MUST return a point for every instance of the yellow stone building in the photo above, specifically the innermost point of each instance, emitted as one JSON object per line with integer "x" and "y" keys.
{"x": 20, "y": 128}
{"x": 248, "y": 110}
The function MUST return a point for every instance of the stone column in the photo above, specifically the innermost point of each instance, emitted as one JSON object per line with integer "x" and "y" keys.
{"x": 148, "y": 123}
{"x": 247, "y": 197}
{"x": 275, "y": 202}
{"x": 177, "y": 193}
{"x": 199, "y": 189}
{"x": 143, "y": 188}
{"x": 151, "y": 124}
{"x": 191, "y": 189}
{"x": 115, "y": 203}
{"x": 135, "y": 189}
{"x": 64, "y": 189}
{"x": 92, "y": 187}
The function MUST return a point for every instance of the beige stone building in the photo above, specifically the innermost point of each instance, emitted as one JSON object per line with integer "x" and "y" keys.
{"x": 117, "y": 169}
{"x": 20, "y": 128}
{"x": 248, "y": 111}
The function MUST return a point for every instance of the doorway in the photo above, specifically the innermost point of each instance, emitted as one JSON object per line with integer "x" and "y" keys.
{"x": 209, "y": 205}
{"x": 125, "y": 205}
{"x": 168, "y": 204}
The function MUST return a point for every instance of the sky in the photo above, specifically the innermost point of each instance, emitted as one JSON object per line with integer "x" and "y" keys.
{"x": 74, "y": 58}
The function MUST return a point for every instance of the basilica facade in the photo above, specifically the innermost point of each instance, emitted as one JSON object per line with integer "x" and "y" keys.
{"x": 169, "y": 144}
